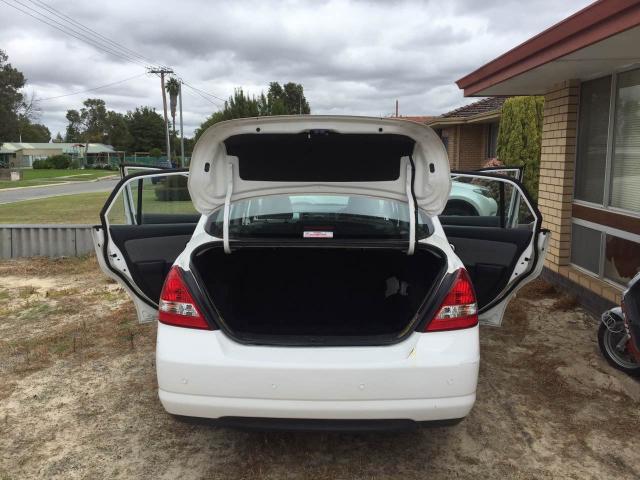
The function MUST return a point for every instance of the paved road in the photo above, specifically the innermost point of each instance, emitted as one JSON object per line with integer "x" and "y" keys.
{"x": 18, "y": 195}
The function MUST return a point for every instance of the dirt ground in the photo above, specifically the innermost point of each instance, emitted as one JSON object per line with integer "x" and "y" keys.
{"x": 78, "y": 400}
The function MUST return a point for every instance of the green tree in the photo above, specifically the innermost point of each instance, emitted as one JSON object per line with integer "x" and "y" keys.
{"x": 287, "y": 100}
{"x": 73, "y": 132}
{"x": 173, "y": 89}
{"x": 94, "y": 120}
{"x": 215, "y": 117}
{"x": 294, "y": 99}
{"x": 35, "y": 132}
{"x": 11, "y": 99}
{"x": 146, "y": 128}
{"x": 89, "y": 124}
{"x": 117, "y": 131}
{"x": 520, "y": 137}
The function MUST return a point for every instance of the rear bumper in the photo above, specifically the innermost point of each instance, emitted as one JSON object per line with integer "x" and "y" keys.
{"x": 427, "y": 377}
{"x": 419, "y": 410}
{"x": 262, "y": 424}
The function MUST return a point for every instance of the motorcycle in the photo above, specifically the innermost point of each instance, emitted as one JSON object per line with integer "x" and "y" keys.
{"x": 619, "y": 332}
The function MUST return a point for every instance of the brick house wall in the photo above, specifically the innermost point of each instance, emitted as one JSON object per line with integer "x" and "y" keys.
{"x": 555, "y": 197}
{"x": 466, "y": 146}
{"x": 557, "y": 162}
{"x": 473, "y": 147}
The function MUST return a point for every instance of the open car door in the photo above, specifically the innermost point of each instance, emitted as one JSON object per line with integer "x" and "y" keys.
{"x": 494, "y": 227}
{"x": 145, "y": 224}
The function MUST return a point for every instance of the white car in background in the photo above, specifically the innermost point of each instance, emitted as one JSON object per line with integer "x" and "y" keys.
{"x": 467, "y": 199}
{"x": 309, "y": 282}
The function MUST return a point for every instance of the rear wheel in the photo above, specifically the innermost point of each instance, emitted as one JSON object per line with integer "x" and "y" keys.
{"x": 615, "y": 350}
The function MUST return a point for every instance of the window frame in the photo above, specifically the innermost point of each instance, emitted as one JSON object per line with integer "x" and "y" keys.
{"x": 491, "y": 145}
{"x": 603, "y": 230}
{"x": 613, "y": 96}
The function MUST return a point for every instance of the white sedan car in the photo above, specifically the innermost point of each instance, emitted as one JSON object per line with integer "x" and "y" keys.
{"x": 468, "y": 199}
{"x": 303, "y": 278}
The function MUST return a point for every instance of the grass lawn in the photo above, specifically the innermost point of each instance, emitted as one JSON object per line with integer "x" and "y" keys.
{"x": 32, "y": 177}
{"x": 84, "y": 208}
{"x": 78, "y": 208}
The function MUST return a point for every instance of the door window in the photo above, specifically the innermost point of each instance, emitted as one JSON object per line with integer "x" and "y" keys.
{"x": 486, "y": 201}
{"x": 161, "y": 198}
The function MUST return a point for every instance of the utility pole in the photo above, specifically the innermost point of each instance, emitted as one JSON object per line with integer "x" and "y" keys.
{"x": 181, "y": 128}
{"x": 163, "y": 72}
{"x": 396, "y": 108}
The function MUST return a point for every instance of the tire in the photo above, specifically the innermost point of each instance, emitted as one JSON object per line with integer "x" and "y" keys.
{"x": 460, "y": 208}
{"x": 607, "y": 341}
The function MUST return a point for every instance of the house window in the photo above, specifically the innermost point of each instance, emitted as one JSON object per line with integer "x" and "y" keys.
{"x": 625, "y": 158}
{"x": 593, "y": 125}
{"x": 444, "y": 136}
{"x": 608, "y": 174}
{"x": 611, "y": 254}
{"x": 585, "y": 248}
{"x": 608, "y": 154}
{"x": 445, "y": 142}
{"x": 492, "y": 140}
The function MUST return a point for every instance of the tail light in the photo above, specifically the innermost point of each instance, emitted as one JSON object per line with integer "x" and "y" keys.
{"x": 459, "y": 308}
{"x": 177, "y": 306}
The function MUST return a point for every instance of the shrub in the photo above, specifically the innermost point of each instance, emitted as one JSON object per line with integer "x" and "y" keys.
{"x": 59, "y": 161}
{"x": 155, "y": 152}
{"x": 173, "y": 189}
{"x": 520, "y": 137}
{"x": 75, "y": 164}
{"x": 41, "y": 164}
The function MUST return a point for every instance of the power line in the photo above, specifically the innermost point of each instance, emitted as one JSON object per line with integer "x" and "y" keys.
{"x": 202, "y": 91}
{"x": 82, "y": 38}
{"x": 93, "y": 89}
{"x": 67, "y": 25}
{"x": 70, "y": 20}
{"x": 74, "y": 31}
{"x": 197, "y": 92}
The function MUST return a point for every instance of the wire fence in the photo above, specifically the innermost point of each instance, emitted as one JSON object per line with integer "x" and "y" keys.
{"x": 162, "y": 161}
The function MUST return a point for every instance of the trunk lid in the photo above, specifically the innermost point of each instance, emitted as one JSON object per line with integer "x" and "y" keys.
{"x": 377, "y": 157}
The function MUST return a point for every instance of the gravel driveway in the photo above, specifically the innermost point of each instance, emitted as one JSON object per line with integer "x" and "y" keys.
{"x": 78, "y": 400}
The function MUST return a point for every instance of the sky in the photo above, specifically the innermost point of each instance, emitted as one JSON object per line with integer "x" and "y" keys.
{"x": 352, "y": 57}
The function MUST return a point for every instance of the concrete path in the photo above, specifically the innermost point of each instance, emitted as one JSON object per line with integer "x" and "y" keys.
{"x": 32, "y": 193}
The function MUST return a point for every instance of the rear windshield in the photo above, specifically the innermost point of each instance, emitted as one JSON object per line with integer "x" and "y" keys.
{"x": 318, "y": 216}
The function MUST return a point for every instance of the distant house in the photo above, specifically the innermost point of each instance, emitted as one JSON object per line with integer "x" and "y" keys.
{"x": 22, "y": 155}
{"x": 470, "y": 133}
{"x": 416, "y": 118}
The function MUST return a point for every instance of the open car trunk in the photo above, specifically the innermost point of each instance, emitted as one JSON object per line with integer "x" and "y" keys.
{"x": 308, "y": 295}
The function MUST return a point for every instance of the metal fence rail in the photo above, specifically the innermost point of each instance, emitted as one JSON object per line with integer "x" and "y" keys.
{"x": 45, "y": 240}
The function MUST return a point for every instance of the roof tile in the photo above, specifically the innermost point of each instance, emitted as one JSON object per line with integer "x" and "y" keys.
{"x": 482, "y": 106}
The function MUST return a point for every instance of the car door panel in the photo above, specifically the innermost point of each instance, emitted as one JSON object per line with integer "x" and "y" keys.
{"x": 489, "y": 256}
{"x": 503, "y": 251}
{"x": 150, "y": 250}
{"x": 142, "y": 233}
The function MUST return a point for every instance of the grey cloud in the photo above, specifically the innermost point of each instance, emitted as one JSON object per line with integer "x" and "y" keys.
{"x": 353, "y": 57}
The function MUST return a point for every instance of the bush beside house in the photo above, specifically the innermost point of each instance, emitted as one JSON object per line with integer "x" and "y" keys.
{"x": 520, "y": 137}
